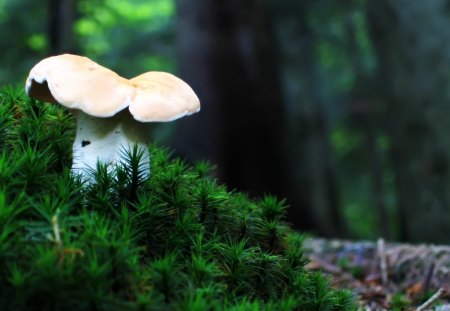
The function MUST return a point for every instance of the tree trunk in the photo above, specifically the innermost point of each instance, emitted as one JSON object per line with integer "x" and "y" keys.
{"x": 329, "y": 174}
{"x": 62, "y": 14}
{"x": 364, "y": 112}
{"x": 326, "y": 179}
{"x": 380, "y": 29}
{"x": 228, "y": 57}
{"x": 412, "y": 79}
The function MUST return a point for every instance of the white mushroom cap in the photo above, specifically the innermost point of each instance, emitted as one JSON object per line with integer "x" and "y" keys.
{"x": 161, "y": 97}
{"x": 79, "y": 83}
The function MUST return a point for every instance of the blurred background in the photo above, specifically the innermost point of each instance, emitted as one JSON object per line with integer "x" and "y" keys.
{"x": 342, "y": 107}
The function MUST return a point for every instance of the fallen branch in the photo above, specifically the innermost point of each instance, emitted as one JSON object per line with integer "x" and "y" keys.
{"x": 433, "y": 298}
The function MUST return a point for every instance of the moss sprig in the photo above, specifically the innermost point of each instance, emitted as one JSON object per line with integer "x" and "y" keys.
{"x": 179, "y": 240}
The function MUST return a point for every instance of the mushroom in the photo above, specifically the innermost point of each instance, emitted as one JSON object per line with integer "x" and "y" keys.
{"x": 98, "y": 97}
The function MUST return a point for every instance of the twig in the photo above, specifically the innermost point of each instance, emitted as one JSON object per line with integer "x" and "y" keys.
{"x": 428, "y": 277}
{"x": 383, "y": 263}
{"x": 56, "y": 231}
{"x": 326, "y": 266}
{"x": 56, "y": 237}
{"x": 427, "y": 303}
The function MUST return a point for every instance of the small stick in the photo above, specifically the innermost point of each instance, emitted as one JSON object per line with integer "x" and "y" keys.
{"x": 56, "y": 231}
{"x": 56, "y": 237}
{"x": 383, "y": 263}
{"x": 428, "y": 277}
{"x": 427, "y": 303}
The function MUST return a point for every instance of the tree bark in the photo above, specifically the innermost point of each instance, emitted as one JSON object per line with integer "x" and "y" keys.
{"x": 365, "y": 114}
{"x": 326, "y": 178}
{"x": 380, "y": 32}
{"x": 228, "y": 57}
{"x": 62, "y": 14}
{"x": 412, "y": 81}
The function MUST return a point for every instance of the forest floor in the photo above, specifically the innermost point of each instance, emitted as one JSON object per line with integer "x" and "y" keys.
{"x": 386, "y": 276}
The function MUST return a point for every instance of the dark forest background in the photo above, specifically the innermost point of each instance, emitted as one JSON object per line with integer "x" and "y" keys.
{"x": 342, "y": 107}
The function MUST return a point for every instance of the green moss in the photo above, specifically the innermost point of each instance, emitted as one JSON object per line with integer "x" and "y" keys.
{"x": 177, "y": 241}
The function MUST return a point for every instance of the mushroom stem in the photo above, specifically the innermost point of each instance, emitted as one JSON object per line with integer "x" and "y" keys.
{"x": 104, "y": 140}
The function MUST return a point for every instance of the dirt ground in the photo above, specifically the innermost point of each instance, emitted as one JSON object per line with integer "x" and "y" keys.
{"x": 386, "y": 276}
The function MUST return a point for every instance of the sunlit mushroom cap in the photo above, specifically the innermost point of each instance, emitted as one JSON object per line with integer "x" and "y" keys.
{"x": 79, "y": 83}
{"x": 161, "y": 97}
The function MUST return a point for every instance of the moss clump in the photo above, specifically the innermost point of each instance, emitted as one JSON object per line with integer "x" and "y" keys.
{"x": 178, "y": 241}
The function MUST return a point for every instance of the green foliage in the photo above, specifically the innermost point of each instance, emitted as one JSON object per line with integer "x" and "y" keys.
{"x": 400, "y": 302}
{"x": 176, "y": 241}
{"x": 128, "y": 36}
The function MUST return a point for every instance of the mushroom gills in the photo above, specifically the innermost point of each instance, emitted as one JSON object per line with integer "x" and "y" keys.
{"x": 105, "y": 140}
